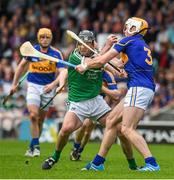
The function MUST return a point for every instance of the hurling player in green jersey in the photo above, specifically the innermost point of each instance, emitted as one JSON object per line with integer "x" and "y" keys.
{"x": 84, "y": 99}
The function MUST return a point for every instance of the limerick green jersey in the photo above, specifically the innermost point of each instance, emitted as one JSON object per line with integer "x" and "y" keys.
{"x": 83, "y": 86}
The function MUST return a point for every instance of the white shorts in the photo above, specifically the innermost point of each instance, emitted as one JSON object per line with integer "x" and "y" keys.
{"x": 93, "y": 108}
{"x": 36, "y": 95}
{"x": 140, "y": 97}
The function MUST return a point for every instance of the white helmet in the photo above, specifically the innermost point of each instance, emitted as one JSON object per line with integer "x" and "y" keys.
{"x": 139, "y": 24}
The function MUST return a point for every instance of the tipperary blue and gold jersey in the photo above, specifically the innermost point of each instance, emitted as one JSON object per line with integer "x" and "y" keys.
{"x": 137, "y": 55}
{"x": 109, "y": 79}
{"x": 42, "y": 71}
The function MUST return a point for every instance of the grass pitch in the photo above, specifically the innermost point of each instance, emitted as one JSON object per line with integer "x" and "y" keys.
{"x": 14, "y": 165}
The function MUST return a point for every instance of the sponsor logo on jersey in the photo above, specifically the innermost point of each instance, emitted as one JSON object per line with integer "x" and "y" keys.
{"x": 42, "y": 67}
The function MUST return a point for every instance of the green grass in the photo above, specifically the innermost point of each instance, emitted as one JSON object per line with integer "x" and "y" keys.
{"x": 12, "y": 163}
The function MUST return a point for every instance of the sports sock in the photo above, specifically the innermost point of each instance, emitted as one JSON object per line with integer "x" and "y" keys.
{"x": 76, "y": 145}
{"x": 98, "y": 160}
{"x": 56, "y": 155}
{"x": 80, "y": 150}
{"x": 151, "y": 160}
{"x": 132, "y": 164}
{"x": 34, "y": 143}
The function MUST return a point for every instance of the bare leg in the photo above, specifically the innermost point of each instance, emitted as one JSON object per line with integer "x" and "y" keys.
{"x": 34, "y": 149}
{"x": 82, "y": 137}
{"x": 112, "y": 126}
{"x": 70, "y": 124}
{"x": 125, "y": 144}
{"x": 110, "y": 131}
{"x": 79, "y": 134}
{"x": 89, "y": 125}
{"x": 109, "y": 137}
{"x": 42, "y": 116}
{"x": 127, "y": 149}
{"x": 131, "y": 117}
{"x": 34, "y": 118}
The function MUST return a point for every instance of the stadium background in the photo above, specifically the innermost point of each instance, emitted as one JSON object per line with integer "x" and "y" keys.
{"x": 20, "y": 21}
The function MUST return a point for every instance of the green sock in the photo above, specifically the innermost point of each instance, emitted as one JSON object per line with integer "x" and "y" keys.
{"x": 132, "y": 164}
{"x": 56, "y": 155}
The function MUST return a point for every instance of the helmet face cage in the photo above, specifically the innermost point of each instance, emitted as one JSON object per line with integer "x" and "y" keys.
{"x": 138, "y": 24}
{"x": 87, "y": 36}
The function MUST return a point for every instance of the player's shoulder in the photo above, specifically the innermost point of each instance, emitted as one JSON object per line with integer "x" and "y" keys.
{"x": 126, "y": 40}
{"x": 37, "y": 46}
{"x": 56, "y": 50}
{"x": 75, "y": 54}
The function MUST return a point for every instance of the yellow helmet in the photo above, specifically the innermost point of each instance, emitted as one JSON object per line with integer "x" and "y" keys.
{"x": 44, "y": 31}
{"x": 140, "y": 25}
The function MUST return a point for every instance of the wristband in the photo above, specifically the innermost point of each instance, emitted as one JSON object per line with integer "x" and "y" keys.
{"x": 85, "y": 66}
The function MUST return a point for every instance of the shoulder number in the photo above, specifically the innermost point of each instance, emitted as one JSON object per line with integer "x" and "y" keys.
{"x": 148, "y": 61}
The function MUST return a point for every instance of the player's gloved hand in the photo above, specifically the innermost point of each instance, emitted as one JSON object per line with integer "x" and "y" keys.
{"x": 81, "y": 68}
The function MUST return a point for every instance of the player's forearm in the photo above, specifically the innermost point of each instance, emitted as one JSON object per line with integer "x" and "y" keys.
{"x": 99, "y": 61}
{"x": 114, "y": 94}
{"x": 22, "y": 68}
{"x": 95, "y": 63}
{"x": 55, "y": 82}
{"x": 105, "y": 49}
{"x": 109, "y": 68}
{"x": 62, "y": 79}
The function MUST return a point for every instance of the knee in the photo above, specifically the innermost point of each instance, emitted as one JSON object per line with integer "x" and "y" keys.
{"x": 66, "y": 130}
{"x": 125, "y": 131}
{"x": 34, "y": 116}
{"x": 88, "y": 124}
{"x": 110, "y": 122}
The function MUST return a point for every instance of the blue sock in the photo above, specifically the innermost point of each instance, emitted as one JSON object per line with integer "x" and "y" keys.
{"x": 34, "y": 143}
{"x": 31, "y": 145}
{"x": 98, "y": 160}
{"x": 151, "y": 160}
{"x": 80, "y": 150}
{"x": 76, "y": 145}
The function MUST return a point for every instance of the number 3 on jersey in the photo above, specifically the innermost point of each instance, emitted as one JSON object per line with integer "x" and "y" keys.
{"x": 148, "y": 61}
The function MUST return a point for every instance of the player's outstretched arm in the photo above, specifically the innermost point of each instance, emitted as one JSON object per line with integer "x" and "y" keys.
{"x": 21, "y": 68}
{"x": 63, "y": 77}
{"x": 61, "y": 80}
{"x": 114, "y": 94}
{"x": 97, "y": 62}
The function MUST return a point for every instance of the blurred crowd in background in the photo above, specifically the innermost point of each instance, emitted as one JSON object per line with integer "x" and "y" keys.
{"x": 21, "y": 19}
